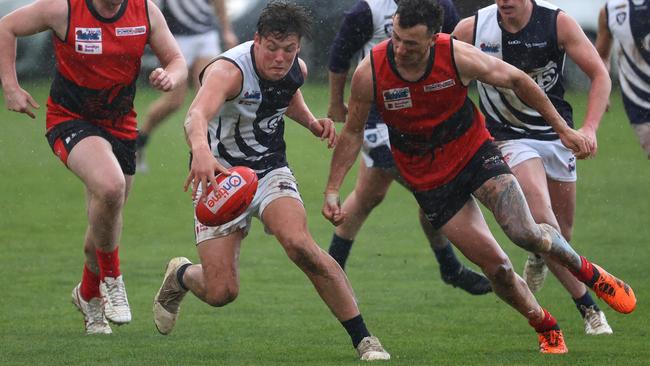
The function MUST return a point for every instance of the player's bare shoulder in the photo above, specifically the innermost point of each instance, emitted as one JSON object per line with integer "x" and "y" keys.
{"x": 362, "y": 83}
{"x": 223, "y": 74}
{"x": 303, "y": 68}
{"x": 42, "y": 15}
{"x": 464, "y": 30}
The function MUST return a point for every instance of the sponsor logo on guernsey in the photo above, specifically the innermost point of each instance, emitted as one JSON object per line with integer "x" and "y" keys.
{"x": 638, "y": 2}
{"x": 490, "y": 47}
{"x": 88, "y": 34}
{"x": 88, "y": 48}
{"x": 88, "y": 40}
{"x": 398, "y": 98}
{"x": 251, "y": 97}
{"x": 439, "y": 86}
{"x": 224, "y": 191}
{"x": 130, "y": 31}
{"x": 536, "y": 44}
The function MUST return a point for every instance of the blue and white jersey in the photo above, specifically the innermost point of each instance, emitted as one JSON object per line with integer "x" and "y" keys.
{"x": 249, "y": 129}
{"x": 534, "y": 49}
{"x": 382, "y": 24}
{"x": 629, "y": 23}
{"x": 189, "y": 17}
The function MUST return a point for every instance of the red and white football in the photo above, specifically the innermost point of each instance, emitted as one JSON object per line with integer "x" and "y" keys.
{"x": 232, "y": 197}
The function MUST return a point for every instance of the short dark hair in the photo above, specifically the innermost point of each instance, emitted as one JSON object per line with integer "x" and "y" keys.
{"x": 281, "y": 19}
{"x": 416, "y": 12}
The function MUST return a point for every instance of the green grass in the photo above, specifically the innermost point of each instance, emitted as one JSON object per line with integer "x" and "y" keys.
{"x": 278, "y": 319}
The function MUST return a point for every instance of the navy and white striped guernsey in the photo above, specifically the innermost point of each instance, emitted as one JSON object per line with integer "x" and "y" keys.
{"x": 534, "y": 49}
{"x": 189, "y": 17}
{"x": 629, "y": 23}
{"x": 249, "y": 129}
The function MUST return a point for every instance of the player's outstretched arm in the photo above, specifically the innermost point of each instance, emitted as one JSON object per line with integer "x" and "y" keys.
{"x": 221, "y": 81}
{"x": 579, "y": 48}
{"x": 350, "y": 140}
{"x": 42, "y": 15}
{"x": 475, "y": 65}
{"x": 163, "y": 44}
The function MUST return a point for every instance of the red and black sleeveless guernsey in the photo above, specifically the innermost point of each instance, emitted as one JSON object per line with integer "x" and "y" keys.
{"x": 97, "y": 66}
{"x": 434, "y": 128}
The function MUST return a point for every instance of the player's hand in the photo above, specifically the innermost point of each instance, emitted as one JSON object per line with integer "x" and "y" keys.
{"x": 19, "y": 100}
{"x": 332, "y": 208}
{"x": 324, "y": 128}
{"x": 160, "y": 79}
{"x": 592, "y": 141}
{"x": 577, "y": 142}
{"x": 337, "y": 112}
{"x": 203, "y": 171}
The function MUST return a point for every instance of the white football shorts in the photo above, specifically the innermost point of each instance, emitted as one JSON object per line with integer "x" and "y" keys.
{"x": 376, "y": 147}
{"x": 204, "y": 45}
{"x": 277, "y": 183}
{"x": 559, "y": 162}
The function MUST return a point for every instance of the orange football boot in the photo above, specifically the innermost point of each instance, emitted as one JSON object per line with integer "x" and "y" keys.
{"x": 616, "y": 293}
{"x": 552, "y": 341}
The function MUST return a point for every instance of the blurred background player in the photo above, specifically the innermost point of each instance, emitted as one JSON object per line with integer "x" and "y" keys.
{"x": 237, "y": 118}
{"x": 418, "y": 82}
{"x": 628, "y": 22}
{"x": 194, "y": 25}
{"x": 367, "y": 23}
{"x": 91, "y": 124}
{"x": 534, "y": 37}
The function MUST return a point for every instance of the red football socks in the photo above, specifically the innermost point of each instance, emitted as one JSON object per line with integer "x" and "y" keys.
{"x": 546, "y": 324}
{"x": 586, "y": 272}
{"x": 89, "y": 284}
{"x": 109, "y": 263}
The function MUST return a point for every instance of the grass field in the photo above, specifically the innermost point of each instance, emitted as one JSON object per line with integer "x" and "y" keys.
{"x": 278, "y": 318}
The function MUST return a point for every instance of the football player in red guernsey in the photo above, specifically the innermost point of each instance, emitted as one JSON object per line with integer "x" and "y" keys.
{"x": 418, "y": 81}
{"x": 91, "y": 123}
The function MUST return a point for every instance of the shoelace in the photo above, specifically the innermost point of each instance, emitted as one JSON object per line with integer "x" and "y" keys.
{"x": 117, "y": 293}
{"x": 371, "y": 344}
{"x": 593, "y": 318}
{"x": 95, "y": 313}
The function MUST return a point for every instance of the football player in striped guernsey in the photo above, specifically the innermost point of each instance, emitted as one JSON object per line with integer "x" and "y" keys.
{"x": 535, "y": 36}
{"x": 237, "y": 118}
{"x": 627, "y": 22}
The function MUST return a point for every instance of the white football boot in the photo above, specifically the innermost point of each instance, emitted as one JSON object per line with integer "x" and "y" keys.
{"x": 535, "y": 272}
{"x": 595, "y": 322}
{"x": 167, "y": 302}
{"x": 93, "y": 313}
{"x": 369, "y": 349}
{"x": 116, "y": 304}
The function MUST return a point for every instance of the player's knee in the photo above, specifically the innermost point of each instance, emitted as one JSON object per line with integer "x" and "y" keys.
{"x": 175, "y": 104}
{"x": 527, "y": 237}
{"x": 305, "y": 255}
{"x": 372, "y": 200}
{"x": 111, "y": 191}
{"x": 500, "y": 272}
{"x": 222, "y": 295}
